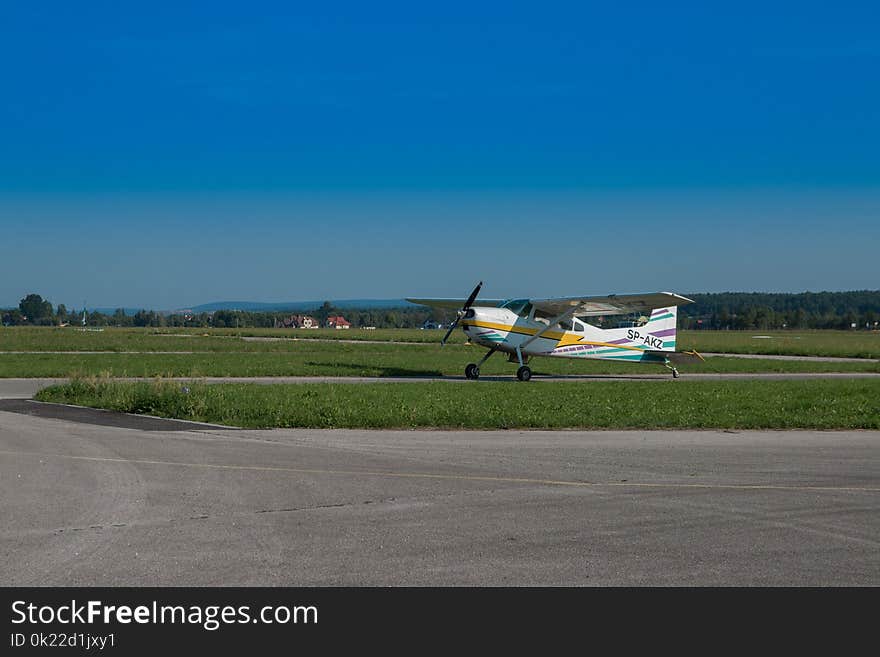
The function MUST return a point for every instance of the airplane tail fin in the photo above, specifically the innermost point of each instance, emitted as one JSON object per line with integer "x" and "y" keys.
{"x": 661, "y": 328}
{"x": 657, "y": 334}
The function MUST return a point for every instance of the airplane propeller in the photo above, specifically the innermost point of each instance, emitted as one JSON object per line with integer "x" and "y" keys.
{"x": 460, "y": 314}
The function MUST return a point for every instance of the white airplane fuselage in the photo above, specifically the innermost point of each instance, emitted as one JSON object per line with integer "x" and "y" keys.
{"x": 503, "y": 330}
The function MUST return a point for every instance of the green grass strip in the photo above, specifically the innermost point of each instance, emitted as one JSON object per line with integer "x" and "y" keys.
{"x": 843, "y": 404}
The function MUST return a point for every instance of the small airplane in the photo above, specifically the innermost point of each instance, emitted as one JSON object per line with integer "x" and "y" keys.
{"x": 523, "y": 328}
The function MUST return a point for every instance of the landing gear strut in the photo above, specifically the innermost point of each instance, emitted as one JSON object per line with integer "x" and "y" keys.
{"x": 670, "y": 367}
{"x": 524, "y": 373}
{"x": 472, "y": 371}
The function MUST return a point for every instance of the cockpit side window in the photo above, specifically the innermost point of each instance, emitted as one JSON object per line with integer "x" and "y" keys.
{"x": 521, "y": 307}
{"x": 591, "y": 320}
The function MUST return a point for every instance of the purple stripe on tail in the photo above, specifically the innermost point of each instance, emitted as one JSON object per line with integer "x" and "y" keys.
{"x": 663, "y": 333}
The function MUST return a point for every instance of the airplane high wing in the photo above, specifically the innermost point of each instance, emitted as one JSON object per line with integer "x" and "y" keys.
{"x": 454, "y": 304}
{"x": 613, "y": 304}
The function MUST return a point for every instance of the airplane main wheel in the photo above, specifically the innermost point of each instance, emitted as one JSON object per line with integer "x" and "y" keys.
{"x": 674, "y": 373}
{"x": 472, "y": 371}
{"x": 524, "y": 373}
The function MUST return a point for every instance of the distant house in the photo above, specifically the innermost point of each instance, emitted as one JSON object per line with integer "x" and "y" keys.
{"x": 338, "y": 323}
{"x": 300, "y": 321}
{"x": 431, "y": 324}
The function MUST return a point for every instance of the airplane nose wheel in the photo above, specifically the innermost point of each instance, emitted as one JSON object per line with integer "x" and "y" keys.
{"x": 524, "y": 373}
{"x": 472, "y": 371}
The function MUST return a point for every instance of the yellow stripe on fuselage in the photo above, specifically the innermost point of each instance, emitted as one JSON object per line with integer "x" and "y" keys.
{"x": 564, "y": 338}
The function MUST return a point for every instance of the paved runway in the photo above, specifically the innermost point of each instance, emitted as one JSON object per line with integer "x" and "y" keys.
{"x": 95, "y": 498}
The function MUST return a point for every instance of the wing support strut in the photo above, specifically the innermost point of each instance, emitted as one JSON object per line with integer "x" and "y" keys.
{"x": 486, "y": 357}
{"x": 568, "y": 314}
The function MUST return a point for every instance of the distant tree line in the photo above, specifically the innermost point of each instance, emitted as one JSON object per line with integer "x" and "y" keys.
{"x": 34, "y": 310}
{"x": 770, "y": 310}
{"x": 725, "y": 311}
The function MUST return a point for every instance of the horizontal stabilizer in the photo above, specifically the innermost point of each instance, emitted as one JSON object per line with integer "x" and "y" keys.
{"x": 680, "y": 356}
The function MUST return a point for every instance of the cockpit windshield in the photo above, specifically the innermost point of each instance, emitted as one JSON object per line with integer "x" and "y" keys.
{"x": 521, "y": 307}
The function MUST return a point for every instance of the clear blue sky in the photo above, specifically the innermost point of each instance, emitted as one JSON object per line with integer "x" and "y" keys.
{"x": 169, "y": 154}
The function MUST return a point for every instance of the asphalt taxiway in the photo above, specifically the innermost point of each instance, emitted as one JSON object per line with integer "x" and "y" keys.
{"x": 98, "y": 498}
{"x": 22, "y": 388}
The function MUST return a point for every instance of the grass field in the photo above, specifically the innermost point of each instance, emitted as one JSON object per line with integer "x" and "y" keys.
{"x": 851, "y": 344}
{"x": 27, "y": 338}
{"x": 605, "y": 405}
{"x": 54, "y": 352}
{"x": 854, "y": 344}
{"x": 227, "y": 352}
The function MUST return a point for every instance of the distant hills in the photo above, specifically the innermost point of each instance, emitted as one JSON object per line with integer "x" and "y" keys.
{"x": 254, "y": 306}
